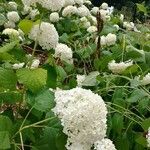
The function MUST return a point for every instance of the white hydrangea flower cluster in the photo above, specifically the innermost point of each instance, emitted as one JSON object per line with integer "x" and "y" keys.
{"x": 108, "y": 40}
{"x": 35, "y": 63}
{"x": 13, "y": 5}
{"x": 95, "y": 10}
{"x": 129, "y": 25}
{"x": 79, "y": 2}
{"x": 104, "y": 144}
{"x": 148, "y": 138}
{"x": 12, "y": 17}
{"x": 33, "y": 13}
{"x": 11, "y": 32}
{"x": 53, "y": 5}
{"x": 83, "y": 11}
{"x": 69, "y": 10}
{"x": 18, "y": 66}
{"x": 54, "y": 17}
{"x": 63, "y": 52}
{"x": 92, "y": 29}
{"x": 45, "y": 34}
{"x": 68, "y": 2}
{"x": 146, "y": 79}
{"x": 118, "y": 68}
{"x": 83, "y": 115}
{"x": 80, "y": 80}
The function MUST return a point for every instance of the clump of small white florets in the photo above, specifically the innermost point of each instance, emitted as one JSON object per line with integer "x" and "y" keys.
{"x": 18, "y": 66}
{"x": 10, "y": 32}
{"x": 129, "y": 25}
{"x": 92, "y": 29}
{"x": 13, "y": 16}
{"x": 83, "y": 116}
{"x": 13, "y": 5}
{"x": 118, "y": 68}
{"x": 108, "y": 40}
{"x": 69, "y": 2}
{"x": 116, "y": 26}
{"x": 148, "y": 137}
{"x": 69, "y": 10}
{"x": 9, "y": 24}
{"x": 104, "y": 6}
{"x": 87, "y": 2}
{"x": 121, "y": 17}
{"x": 45, "y": 34}
{"x": 146, "y": 79}
{"x": 95, "y": 10}
{"x": 54, "y": 17}
{"x": 80, "y": 80}
{"x": 104, "y": 144}
{"x": 53, "y": 5}
{"x": 63, "y": 52}
{"x": 83, "y": 11}
{"x": 79, "y": 2}
{"x": 33, "y": 13}
{"x": 35, "y": 63}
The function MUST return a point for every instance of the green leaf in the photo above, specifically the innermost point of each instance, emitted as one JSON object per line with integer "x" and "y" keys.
{"x": 117, "y": 123}
{"x": 61, "y": 73}
{"x": 26, "y": 25}
{"x": 141, "y": 8}
{"x": 4, "y": 140}
{"x": 141, "y": 140}
{"x": 34, "y": 79}
{"x": 7, "y": 47}
{"x": 10, "y": 97}
{"x": 146, "y": 124}
{"x": 136, "y": 96}
{"x": 8, "y": 78}
{"x": 2, "y": 19}
{"x": 5, "y": 124}
{"x": 43, "y": 101}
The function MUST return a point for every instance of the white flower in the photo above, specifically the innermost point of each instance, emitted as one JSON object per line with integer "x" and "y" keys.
{"x": 54, "y": 17}
{"x": 83, "y": 19}
{"x": 79, "y": 2}
{"x": 13, "y": 16}
{"x": 29, "y": 2}
{"x": 83, "y": 116}
{"x": 104, "y": 14}
{"x": 103, "y": 40}
{"x": 80, "y": 79}
{"x": 86, "y": 24}
{"x": 110, "y": 10}
{"x": 93, "y": 20}
{"x": 118, "y": 68}
{"x": 45, "y": 34}
{"x": 9, "y": 24}
{"x": 13, "y": 5}
{"x": 146, "y": 80}
{"x": 69, "y": 2}
{"x": 111, "y": 39}
{"x": 18, "y": 66}
{"x": 92, "y": 29}
{"x": 83, "y": 11}
{"x": 104, "y": 6}
{"x": 128, "y": 25}
{"x": 148, "y": 138}
{"x": 63, "y": 52}
{"x": 53, "y": 5}
{"x": 95, "y": 10}
{"x": 116, "y": 26}
{"x": 121, "y": 17}
{"x": 35, "y": 63}
{"x": 26, "y": 10}
{"x": 33, "y": 13}
{"x": 104, "y": 144}
{"x": 10, "y": 32}
{"x": 69, "y": 10}
{"x": 88, "y": 2}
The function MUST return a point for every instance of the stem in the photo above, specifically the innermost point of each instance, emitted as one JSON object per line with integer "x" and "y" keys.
{"x": 21, "y": 139}
{"x": 124, "y": 46}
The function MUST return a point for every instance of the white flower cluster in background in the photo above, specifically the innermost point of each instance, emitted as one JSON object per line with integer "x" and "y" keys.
{"x": 118, "y": 68}
{"x": 35, "y": 63}
{"x": 18, "y": 66}
{"x": 92, "y": 29}
{"x": 54, "y": 17}
{"x": 104, "y": 144}
{"x": 128, "y": 25}
{"x": 108, "y": 40}
{"x": 83, "y": 11}
{"x": 83, "y": 116}
{"x": 63, "y": 52}
{"x": 13, "y": 5}
{"x": 145, "y": 80}
{"x": 53, "y": 5}
{"x": 80, "y": 80}
{"x": 69, "y": 10}
{"x": 45, "y": 34}
{"x": 148, "y": 138}
{"x": 12, "y": 17}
